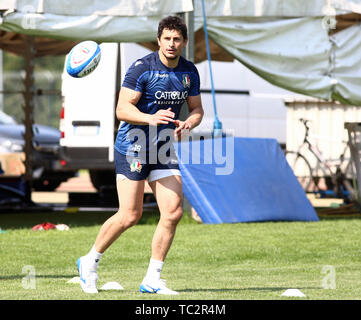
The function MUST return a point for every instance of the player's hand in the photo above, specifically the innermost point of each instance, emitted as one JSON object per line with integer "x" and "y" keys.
{"x": 161, "y": 117}
{"x": 182, "y": 128}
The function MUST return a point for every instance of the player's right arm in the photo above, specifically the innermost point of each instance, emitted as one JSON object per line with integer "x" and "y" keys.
{"x": 131, "y": 91}
{"x": 127, "y": 110}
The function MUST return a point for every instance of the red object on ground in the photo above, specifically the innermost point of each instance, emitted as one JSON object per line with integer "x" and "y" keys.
{"x": 44, "y": 226}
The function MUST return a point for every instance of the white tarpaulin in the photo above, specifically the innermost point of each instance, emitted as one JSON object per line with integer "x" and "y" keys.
{"x": 290, "y": 53}
{"x": 346, "y": 65}
{"x": 107, "y": 8}
{"x": 111, "y": 20}
{"x": 288, "y": 43}
{"x": 284, "y": 41}
{"x": 295, "y": 53}
{"x": 276, "y": 8}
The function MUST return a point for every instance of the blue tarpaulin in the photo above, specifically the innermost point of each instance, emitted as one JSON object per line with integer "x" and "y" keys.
{"x": 230, "y": 179}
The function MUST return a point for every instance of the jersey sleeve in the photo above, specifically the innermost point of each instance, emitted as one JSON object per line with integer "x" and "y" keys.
{"x": 195, "y": 83}
{"x": 136, "y": 76}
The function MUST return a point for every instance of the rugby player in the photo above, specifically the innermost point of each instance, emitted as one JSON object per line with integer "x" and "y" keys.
{"x": 154, "y": 89}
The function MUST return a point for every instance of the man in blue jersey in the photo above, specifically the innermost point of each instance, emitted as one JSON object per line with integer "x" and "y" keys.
{"x": 152, "y": 94}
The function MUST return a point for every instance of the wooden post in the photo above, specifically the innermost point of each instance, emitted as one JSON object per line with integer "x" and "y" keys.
{"x": 28, "y": 112}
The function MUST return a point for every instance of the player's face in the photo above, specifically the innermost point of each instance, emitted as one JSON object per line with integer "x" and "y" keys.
{"x": 171, "y": 44}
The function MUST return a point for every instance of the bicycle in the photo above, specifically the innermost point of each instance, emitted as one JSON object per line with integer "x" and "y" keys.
{"x": 339, "y": 177}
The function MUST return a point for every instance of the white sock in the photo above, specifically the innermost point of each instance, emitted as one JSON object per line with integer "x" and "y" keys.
{"x": 93, "y": 258}
{"x": 154, "y": 269}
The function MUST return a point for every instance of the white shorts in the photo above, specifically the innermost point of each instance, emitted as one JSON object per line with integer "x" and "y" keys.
{"x": 155, "y": 174}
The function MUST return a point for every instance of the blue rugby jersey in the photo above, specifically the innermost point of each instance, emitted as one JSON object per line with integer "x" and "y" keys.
{"x": 161, "y": 88}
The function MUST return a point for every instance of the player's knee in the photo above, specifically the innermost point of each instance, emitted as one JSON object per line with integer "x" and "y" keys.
{"x": 173, "y": 216}
{"x": 129, "y": 218}
{"x": 132, "y": 220}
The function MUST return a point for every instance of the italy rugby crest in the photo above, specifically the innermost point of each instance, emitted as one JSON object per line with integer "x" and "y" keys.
{"x": 186, "y": 81}
{"x": 135, "y": 166}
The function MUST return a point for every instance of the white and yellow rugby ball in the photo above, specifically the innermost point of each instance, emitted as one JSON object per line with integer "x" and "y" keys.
{"x": 83, "y": 59}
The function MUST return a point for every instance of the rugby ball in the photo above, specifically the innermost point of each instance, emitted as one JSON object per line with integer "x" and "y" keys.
{"x": 83, "y": 59}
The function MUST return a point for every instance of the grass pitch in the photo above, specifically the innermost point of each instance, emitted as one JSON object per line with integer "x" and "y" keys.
{"x": 244, "y": 261}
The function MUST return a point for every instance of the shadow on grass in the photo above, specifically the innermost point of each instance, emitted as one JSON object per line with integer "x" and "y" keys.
{"x": 44, "y": 276}
{"x": 356, "y": 216}
{"x": 78, "y": 219}
{"x": 245, "y": 289}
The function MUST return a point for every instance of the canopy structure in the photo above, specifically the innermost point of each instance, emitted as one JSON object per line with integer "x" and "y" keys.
{"x": 15, "y": 43}
{"x": 310, "y": 47}
{"x": 130, "y": 21}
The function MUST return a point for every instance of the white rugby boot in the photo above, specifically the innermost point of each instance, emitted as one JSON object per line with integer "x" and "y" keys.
{"x": 155, "y": 286}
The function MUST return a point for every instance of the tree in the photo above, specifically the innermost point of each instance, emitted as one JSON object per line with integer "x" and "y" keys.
{"x": 47, "y": 76}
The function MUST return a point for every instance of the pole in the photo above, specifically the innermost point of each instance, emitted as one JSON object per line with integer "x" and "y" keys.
{"x": 189, "y": 21}
{"x": 217, "y": 125}
{"x": 28, "y": 111}
{"x": 1, "y": 81}
{"x": 188, "y": 52}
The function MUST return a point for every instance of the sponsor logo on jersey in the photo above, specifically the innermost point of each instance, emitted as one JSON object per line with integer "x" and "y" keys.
{"x": 171, "y": 95}
{"x": 162, "y": 75}
{"x": 136, "y": 148}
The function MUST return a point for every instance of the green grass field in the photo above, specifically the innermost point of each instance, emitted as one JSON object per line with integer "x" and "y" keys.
{"x": 242, "y": 261}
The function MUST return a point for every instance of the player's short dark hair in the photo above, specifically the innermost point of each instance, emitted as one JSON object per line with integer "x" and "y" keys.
{"x": 172, "y": 23}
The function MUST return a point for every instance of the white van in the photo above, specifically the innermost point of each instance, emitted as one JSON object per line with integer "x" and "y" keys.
{"x": 87, "y": 118}
{"x": 88, "y": 123}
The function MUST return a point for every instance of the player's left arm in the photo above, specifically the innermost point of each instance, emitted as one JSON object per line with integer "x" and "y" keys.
{"x": 194, "y": 117}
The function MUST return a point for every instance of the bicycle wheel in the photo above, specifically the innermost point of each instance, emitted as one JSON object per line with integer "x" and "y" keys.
{"x": 301, "y": 168}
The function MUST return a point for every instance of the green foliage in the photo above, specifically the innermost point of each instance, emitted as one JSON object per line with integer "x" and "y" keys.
{"x": 47, "y": 76}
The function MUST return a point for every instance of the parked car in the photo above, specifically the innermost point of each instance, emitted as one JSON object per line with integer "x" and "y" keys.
{"x": 47, "y": 176}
